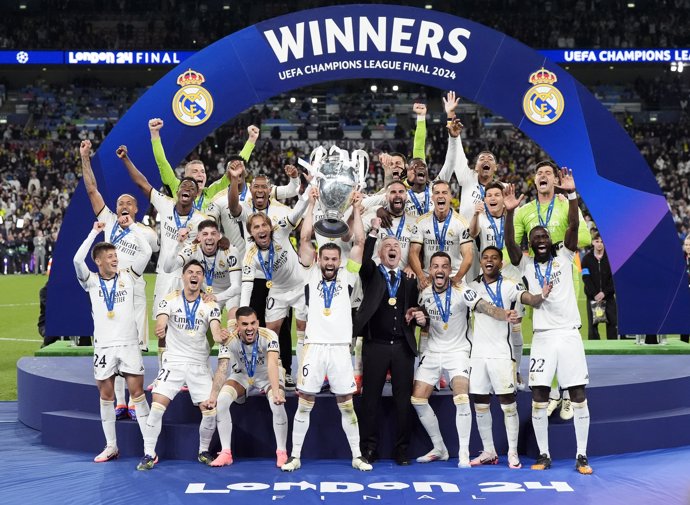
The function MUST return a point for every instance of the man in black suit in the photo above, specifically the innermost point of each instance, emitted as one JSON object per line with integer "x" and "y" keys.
{"x": 386, "y": 319}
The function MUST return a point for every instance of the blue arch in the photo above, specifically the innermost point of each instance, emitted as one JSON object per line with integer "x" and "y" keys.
{"x": 449, "y": 53}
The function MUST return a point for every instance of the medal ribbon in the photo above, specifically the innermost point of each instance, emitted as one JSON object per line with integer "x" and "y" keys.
{"x": 209, "y": 272}
{"x": 116, "y": 237}
{"x": 445, "y": 313}
{"x": 178, "y": 221}
{"x": 495, "y": 297}
{"x": 420, "y": 210}
{"x": 328, "y": 292}
{"x": 482, "y": 190}
{"x": 108, "y": 297}
{"x": 243, "y": 195}
{"x": 441, "y": 238}
{"x": 547, "y": 276}
{"x": 392, "y": 288}
{"x": 498, "y": 235}
{"x": 251, "y": 368}
{"x": 401, "y": 227}
{"x": 549, "y": 211}
{"x": 191, "y": 311}
{"x": 198, "y": 203}
{"x": 267, "y": 266}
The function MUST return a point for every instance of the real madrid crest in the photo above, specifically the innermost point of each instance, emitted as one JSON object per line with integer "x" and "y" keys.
{"x": 193, "y": 104}
{"x": 543, "y": 103}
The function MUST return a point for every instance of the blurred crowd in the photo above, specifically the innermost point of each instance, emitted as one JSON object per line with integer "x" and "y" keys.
{"x": 185, "y": 24}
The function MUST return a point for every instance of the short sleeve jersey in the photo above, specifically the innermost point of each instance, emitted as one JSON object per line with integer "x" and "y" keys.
{"x": 287, "y": 272}
{"x": 186, "y": 342}
{"x": 335, "y": 325}
{"x": 458, "y": 233}
{"x": 454, "y": 336}
{"x": 169, "y": 229}
{"x": 121, "y": 329}
{"x": 128, "y": 249}
{"x": 402, "y": 229}
{"x": 217, "y": 267}
{"x": 267, "y": 342}
{"x": 559, "y": 310}
{"x": 491, "y": 337}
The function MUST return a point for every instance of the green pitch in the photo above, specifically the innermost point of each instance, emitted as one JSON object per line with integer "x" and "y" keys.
{"x": 19, "y": 336}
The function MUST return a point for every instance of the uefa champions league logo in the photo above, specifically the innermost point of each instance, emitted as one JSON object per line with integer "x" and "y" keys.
{"x": 22, "y": 57}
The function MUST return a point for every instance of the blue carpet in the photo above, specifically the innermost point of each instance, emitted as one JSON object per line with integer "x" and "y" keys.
{"x": 32, "y": 473}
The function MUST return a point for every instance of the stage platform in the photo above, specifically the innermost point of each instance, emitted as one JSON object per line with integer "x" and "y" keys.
{"x": 637, "y": 403}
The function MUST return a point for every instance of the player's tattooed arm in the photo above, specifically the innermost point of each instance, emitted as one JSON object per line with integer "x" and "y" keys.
{"x": 528, "y": 298}
{"x": 97, "y": 202}
{"x": 138, "y": 178}
{"x": 491, "y": 310}
{"x": 219, "y": 378}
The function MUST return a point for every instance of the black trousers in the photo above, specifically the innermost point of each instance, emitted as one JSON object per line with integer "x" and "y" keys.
{"x": 611, "y": 316}
{"x": 258, "y": 303}
{"x": 377, "y": 359}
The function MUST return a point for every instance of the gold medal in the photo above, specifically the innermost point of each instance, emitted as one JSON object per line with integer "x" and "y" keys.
{"x": 445, "y": 326}
{"x": 209, "y": 290}
{"x": 327, "y": 311}
{"x": 111, "y": 314}
{"x": 191, "y": 332}
{"x": 269, "y": 284}
{"x": 392, "y": 300}
{"x": 251, "y": 381}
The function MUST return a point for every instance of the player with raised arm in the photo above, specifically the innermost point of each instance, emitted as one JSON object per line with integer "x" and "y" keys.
{"x": 182, "y": 320}
{"x": 118, "y": 228}
{"x": 447, "y": 307}
{"x": 328, "y": 333}
{"x": 488, "y": 223}
{"x": 222, "y": 268}
{"x": 491, "y": 358}
{"x": 557, "y": 348}
{"x": 177, "y": 217}
{"x": 248, "y": 360}
{"x": 194, "y": 169}
{"x": 116, "y": 344}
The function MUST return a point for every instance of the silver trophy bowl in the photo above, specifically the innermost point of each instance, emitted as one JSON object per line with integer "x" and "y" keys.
{"x": 338, "y": 178}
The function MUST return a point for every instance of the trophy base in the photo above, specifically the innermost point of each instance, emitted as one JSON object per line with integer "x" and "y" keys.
{"x": 331, "y": 228}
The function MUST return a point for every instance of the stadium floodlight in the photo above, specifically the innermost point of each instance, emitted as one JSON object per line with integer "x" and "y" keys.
{"x": 428, "y": 6}
{"x": 374, "y": 88}
{"x": 681, "y": 66}
{"x": 674, "y": 66}
{"x": 22, "y": 7}
{"x": 226, "y": 7}
{"x": 293, "y": 99}
{"x": 314, "y": 100}
{"x": 631, "y": 5}
{"x": 395, "y": 87}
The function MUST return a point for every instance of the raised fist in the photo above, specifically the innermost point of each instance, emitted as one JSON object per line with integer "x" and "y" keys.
{"x": 155, "y": 124}
{"x": 85, "y": 148}
{"x": 419, "y": 109}
{"x": 121, "y": 152}
{"x": 253, "y": 132}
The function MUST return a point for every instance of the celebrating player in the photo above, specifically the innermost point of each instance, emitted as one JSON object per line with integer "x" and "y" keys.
{"x": 557, "y": 347}
{"x": 251, "y": 358}
{"x": 116, "y": 344}
{"x": 181, "y": 323}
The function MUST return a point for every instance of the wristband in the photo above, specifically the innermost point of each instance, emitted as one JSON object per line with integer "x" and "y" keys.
{"x": 572, "y": 196}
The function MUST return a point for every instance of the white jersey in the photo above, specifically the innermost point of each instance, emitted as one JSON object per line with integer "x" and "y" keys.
{"x": 333, "y": 325}
{"x": 128, "y": 249}
{"x": 471, "y": 191}
{"x": 221, "y": 268}
{"x": 487, "y": 237}
{"x": 185, "y": 344}
{"x": 450, "y": 336}
{"x": 490, "y": 337}
{"x": 230, "y": 226}
{"x": 458, "y": 233}
{"x": 286, "y": 274}
{"x": 559, "y": 310}
{"x": 169, "y": 228}
{"x": 401, "y": 228}
{"x": 121, "y": 329}
{"x": 233, "y": 350}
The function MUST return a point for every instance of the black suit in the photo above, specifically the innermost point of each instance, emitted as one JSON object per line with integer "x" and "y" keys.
{"x": 389, "y": 344}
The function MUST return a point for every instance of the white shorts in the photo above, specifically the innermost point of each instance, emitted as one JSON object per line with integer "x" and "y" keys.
{"x": 260, "y": 380}
{"x": 278, "y": 304}
{"x": 117, "y": 360}
{"x": 560, "y": 353}
{"x": 165, "y": 284}
{"x": 172, "y": 376}
{"x": 321, "y": 360}
{"x": 489, "y": 375}
{"x": 140, "y": 312}
{"x": 432, "y": 365}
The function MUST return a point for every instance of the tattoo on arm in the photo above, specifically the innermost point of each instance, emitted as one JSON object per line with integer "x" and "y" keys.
{"x": 486, "y": 308}
{"x": 221, "y": 374}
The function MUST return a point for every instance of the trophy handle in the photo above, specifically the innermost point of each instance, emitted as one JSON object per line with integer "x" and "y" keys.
{"x": 361, "y": 159}
{"x": 317, "y": 157}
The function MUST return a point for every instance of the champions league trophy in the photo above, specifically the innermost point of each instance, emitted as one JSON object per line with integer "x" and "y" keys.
{"x": 337, "y": 175}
